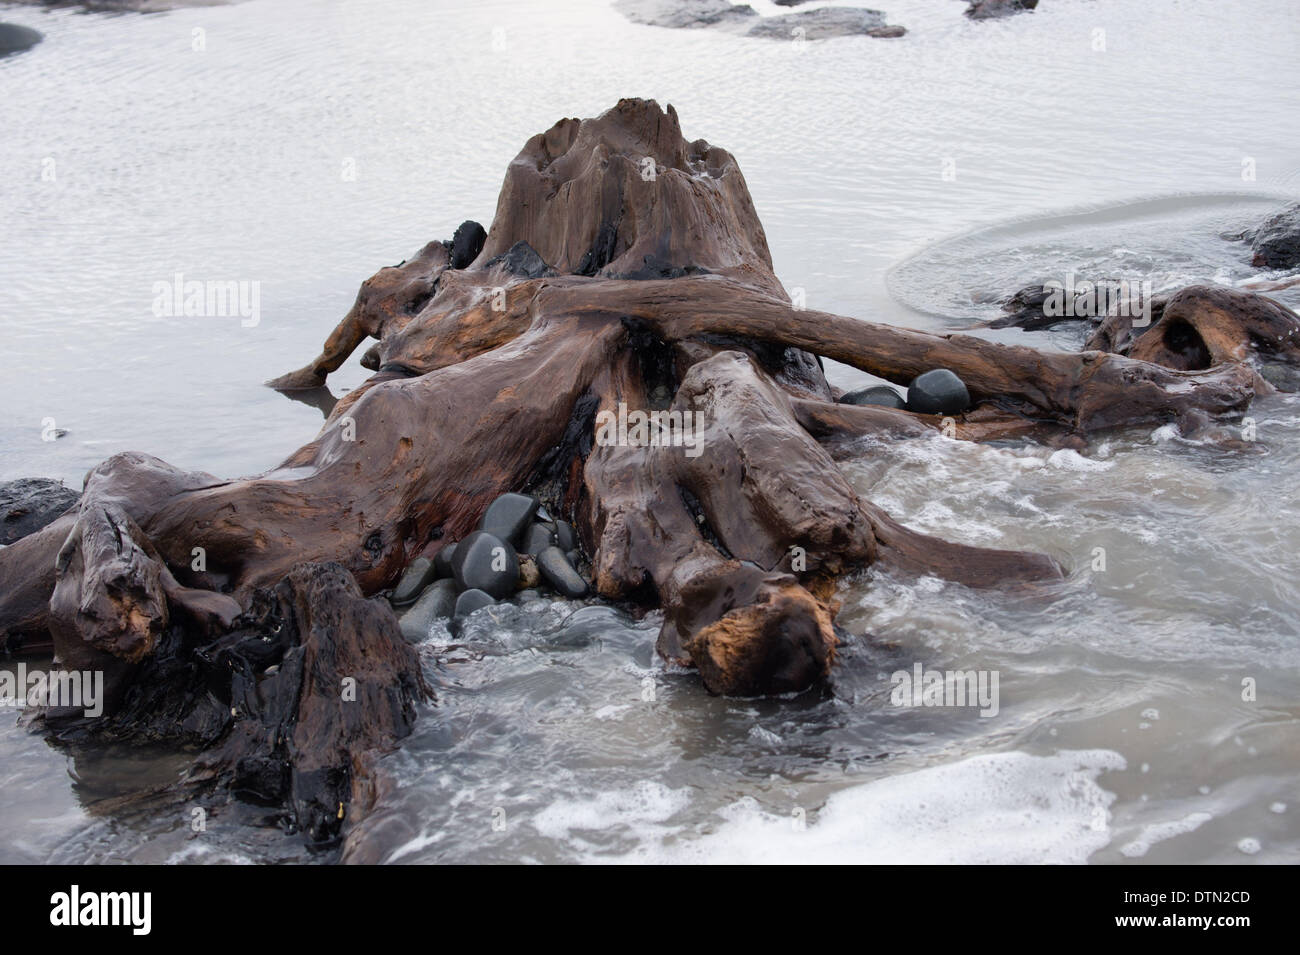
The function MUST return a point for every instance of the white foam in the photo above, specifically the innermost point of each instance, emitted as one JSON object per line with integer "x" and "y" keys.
{"x": 1067, "y": 459}
{"x": 646, "y": 802}
{"x": 1000, "y": 808}
{"x": 1160, "y": 831}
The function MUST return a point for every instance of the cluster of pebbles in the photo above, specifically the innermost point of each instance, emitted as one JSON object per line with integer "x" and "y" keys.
{"x": 938, "y": 391}
{"x": 518, "y": 546}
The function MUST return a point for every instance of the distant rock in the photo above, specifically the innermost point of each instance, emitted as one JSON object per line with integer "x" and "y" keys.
{"x": 28, "y": 504}
{"x": 819, "y": 24}
{"x": 15, "y": 38}
{"x": 993, "y": 9}
{"x": 1277, "y": 241}
{"x": 825, "y": 23}
{"x": 685, "y": 14}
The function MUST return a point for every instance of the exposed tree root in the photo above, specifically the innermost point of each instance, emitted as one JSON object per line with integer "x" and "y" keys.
{"x": 625, "y": 267}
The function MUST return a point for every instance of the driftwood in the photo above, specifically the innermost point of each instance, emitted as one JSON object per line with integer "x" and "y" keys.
{"x": 625, "y": 266}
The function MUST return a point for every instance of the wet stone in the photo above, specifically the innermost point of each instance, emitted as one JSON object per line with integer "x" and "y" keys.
{"x": 442, "y": 562}
{"x": 559, "y": 573}
{"x": 509, "y": 516}
{"x": 882, "y": 395}
{"x": 565, "y": 537}
{"x": 537, "y": 539}
{"x": 937, "y": 392}
{"x": 419, "y": 574}
{"x": 438, "y": 600}
{"x": 472, "y": 600}
{"x": 485, "y": 562}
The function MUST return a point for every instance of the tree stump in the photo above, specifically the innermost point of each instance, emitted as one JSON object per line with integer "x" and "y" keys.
{"x": 625, "y": 267}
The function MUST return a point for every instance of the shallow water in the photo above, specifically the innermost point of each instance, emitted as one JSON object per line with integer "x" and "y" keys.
{"x": 1121, "y": 735}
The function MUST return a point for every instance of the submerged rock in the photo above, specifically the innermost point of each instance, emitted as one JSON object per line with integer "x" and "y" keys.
{"x": 14, "y": 38}
{"x": 819, "y": 24}
{"x": 509, "y": 516}
{"x": 472, "y": 600}
{"x": 686, "y": 14}
{"x": 438, "y": 600}
{"x": 825, "y": 23}
{"x": 937, "y": 392}
{"x": 1036, "y": 306}
{"x": 485, "y": 562}
{"x": 559, "y": 573}
{"x": 993, "y": 9}
{"x": 28, "y": 504}
{"x": 882, "y": 395}
{"x": 1276, "y": 243}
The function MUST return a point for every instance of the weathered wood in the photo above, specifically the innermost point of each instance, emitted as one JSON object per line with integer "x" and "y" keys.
{"x": 625, "y": 267}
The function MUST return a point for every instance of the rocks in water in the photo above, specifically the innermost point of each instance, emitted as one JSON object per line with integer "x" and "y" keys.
{"x": 993, "y": 9}
{"x": 466, "y": 244}
{"x": 28, "y": 504}
{"x": 882, "y": 395}
{"x": 686, "y": 14}
{"x": 419, "y": 574}
{"x": 825, "y": 23}
{"x": 1276, "y": 242}
{"x": 559, "y": 573}
{"x": 472, "y": 600}
{"x": 15, "y": 38}
{"x": 442, "y": 561}
{"x": 537, "y": 539}
{"x": 565, "y": 537}
{"x": 741, "y": 18}
{"x": 1042, "y": 306}
{"x": 438, "y": 600}
{"x": 485, "y": 562}
{"x": 1025, "y": 309}
{"x": 938, "y": 391}
{"x": 522, "y": 259}
{"x": 509, "y": 516}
